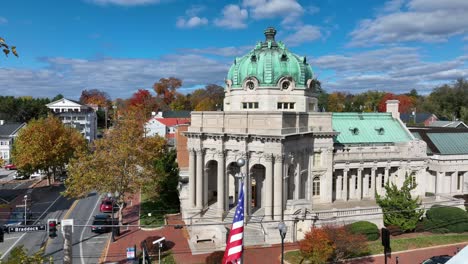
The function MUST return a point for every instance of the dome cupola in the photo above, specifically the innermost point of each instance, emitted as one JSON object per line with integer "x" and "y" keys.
{"x": 270, "y": 78}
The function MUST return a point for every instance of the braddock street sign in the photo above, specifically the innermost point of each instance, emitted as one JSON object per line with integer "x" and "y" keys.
{"x": 12, "y": 229}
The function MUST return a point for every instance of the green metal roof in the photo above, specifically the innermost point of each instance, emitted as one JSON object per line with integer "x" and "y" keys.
{"x": 450, "y": 143}
{"x": 268, "y": 62}
{"x": 368, "y": 128}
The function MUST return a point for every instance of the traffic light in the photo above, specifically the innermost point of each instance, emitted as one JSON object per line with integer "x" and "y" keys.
{"x": 52, "y": 228}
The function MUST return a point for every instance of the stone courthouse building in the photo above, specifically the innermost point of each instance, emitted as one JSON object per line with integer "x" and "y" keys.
{"x": 302, "y": 166}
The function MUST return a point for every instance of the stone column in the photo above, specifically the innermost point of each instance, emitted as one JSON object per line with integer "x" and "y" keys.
{"x": 278, "y": 187}
{"x": 454, "y": 179}
{"x": 386, "y": 178}
{"x": 199, "y": 181}
{"x": 365, "y": 184}
{"x": 372, "y": 189}
{"x": 268, "y": 186}
{"x": 192, "y": 179}
{"x": 359, "y": 185}
{"x": 352, "y": 187}
{"x": 297, "y": 178}
{"x": 378, "y": 183}
{"x": 221, "y": 197}
{"x": 345, "y": 184}
{"x": 338, "y": 187}
{"x": 439, "y": 183}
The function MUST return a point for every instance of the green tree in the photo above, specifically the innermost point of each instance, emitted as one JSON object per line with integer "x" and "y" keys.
{"x": 46, "y": 145}
{"x": 122, "y": 161}
{"x": 20, "y": 255}
{"x": 399, "y": 208}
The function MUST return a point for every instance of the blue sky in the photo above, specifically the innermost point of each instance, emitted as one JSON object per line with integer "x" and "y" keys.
{"x": 119, "y": 46}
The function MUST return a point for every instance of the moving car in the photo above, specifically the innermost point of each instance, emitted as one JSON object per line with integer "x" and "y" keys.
{"x": 101, "y": 223}
{"x": 106, "y": 206}
{"x": 37, "y": 175}
{"x": 17, "y": 217}
{"x": 10, "y": 166}
{"x": 437, "y": 259}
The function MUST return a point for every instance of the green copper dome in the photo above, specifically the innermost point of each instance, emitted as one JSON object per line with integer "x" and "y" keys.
{"x": 268, "y": 65}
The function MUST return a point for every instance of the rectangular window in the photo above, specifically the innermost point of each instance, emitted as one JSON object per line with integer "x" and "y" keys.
{"x": 383, "y": 181}
{"x": 250, "y": 105}
{"x": 459, "y": 181}
{"x": 370, "y": 181}
{"x": 356, "y": 182}
{"x": 291, "y": 105}
{"x": 317, "y": 159}
{"x": 280, "y": 106}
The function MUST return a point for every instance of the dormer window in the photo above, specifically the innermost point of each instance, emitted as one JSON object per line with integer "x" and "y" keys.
{"x": 285, "y": 85}
{"x": 253, "y": 58}
{"x": 284, "y": 57}
{"x": 380, "y": 130}
{"x": 354, "y": 131}
{"x": 250, "y": 85}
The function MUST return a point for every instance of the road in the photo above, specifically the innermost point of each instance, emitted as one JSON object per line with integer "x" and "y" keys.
{"x": 47, "y": 203}
{"x": 87, "y": 246}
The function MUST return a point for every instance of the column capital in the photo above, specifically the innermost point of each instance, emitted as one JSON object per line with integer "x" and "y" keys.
{"x": 268, "y": 157}
{"x": 199, "y": 151}
{"x": 279, "y": 157}
{"x": 220, "y": 153}
{"x": 373, "y": 169}
{"x": 346, "y": 169}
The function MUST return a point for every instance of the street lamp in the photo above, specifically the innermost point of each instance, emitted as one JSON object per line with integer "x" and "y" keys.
{"x": 25, "y": 209}
{"x": 282, "y": 230}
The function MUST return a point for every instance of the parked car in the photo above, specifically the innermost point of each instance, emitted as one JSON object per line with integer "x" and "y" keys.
{"x": 10, "y": 166}
{"x": 437, "y": 259}
{"x": 106, "y": 206}
{"x": 20, "y": 175}
{"x": 36, "y": 175}
{"x": 101, "y": 223}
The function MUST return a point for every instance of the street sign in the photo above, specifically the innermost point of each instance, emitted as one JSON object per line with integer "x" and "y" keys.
{"x": 13, "y": 229}
{"x": 131, "y": 253}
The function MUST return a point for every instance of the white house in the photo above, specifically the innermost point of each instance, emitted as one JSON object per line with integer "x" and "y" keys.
{"x": 8, "y": 133}
{"x": 74, "y": 114}
{"x": 164, "y": 126}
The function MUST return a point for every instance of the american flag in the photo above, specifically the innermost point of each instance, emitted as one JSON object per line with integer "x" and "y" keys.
{"x": 233, "y": 252}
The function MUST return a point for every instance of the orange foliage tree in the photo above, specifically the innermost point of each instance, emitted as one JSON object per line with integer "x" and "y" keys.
{"x": 405, "y": 106}
{"x": 316, "y": 246}
{"x": 142, "y": 102}
{"x": 95, "y": 97}
{"x": 346, "y": 244}
{"x": 166, "y": 89}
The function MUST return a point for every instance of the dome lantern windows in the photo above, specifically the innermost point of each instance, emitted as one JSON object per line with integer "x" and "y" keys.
{"x": 250, "y": 83}
{"x": 285, "y": 85}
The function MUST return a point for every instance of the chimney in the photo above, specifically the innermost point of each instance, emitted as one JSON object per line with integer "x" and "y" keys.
{"x": 392, "y": 107}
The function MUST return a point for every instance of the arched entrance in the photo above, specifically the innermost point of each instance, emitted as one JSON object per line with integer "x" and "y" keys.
{"x": 232, "y": 184}
{"x": 257, "y": 179}
{"x": 211, "y": 183}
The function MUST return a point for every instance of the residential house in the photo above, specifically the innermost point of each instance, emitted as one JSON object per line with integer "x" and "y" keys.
{"x": 74, "y": 114}
{"x": 8, "y": 133}
{"x": 165, "y": 126}
{"x": 452, "y": 124}
{"x": 418, "y": 118}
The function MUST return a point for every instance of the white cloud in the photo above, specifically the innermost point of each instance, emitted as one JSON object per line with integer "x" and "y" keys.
{"x": 289, "y": 10}
{"x": 194, "y": 10}
{"x": 422, "y": 20}
{"x": 191, "y": 22}
{"x": 223, "y": 51}
{"x": 402, "y": 70}
{"x": 233, "y": 17}
{"x": 392, "y": 6}
{"x": 124, "y": 2}
{"x": 117, "y": 77}
{"x": 303, "y": 34}
{"x": 3, "y": 20}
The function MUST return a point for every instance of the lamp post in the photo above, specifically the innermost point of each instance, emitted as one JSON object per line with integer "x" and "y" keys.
{"x": 25, "y": 209}
{"x": 282, "y": 230}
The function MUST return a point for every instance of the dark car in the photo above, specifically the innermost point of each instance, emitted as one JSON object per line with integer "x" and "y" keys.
{"x": 437, "y": 260}
{"x": 101, "y": 223}
{"x": 17, "y": 217}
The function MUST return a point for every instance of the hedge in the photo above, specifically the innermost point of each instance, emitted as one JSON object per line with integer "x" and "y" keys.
{"x": 365, "y": 228}
{"x": 441, "y": 219}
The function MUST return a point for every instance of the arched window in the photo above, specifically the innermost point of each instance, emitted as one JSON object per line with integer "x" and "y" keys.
{"x": 316, "y": 186}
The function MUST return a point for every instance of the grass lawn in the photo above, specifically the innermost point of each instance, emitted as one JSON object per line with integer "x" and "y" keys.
{"x": 400, "y": 244}
{"x": 157, "y": 208}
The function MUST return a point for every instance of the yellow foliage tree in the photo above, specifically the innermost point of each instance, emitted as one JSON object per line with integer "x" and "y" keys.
{"x": 47, "y": 145}
{"x": 122, "y": 162}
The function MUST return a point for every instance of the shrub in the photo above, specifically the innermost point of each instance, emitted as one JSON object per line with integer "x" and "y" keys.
{"x": 346, "y": 244}
{"x": 446, "y": 219}
{"x": 368, "y": 229}
{"x": 215, "y": 257}
{"x": 395, "y": 230}
{"x": 421, "y": 226}
{"x": 316, "y": 246}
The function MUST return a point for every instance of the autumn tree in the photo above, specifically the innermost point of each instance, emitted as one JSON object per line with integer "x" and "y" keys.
{"x": 20, "y": 255}
{"x": 209, "y": 98}
{"x": 336, "y": 102}
{"x": 6, "y": 48}
{"x": 47, "y": 145}
{"x": 346, "y": 244}
{"x": 399, "y": 208}
{"x": 316, "y": 246}
{"x": 181, "y": 102}
{"x": 95, "y": 97}
{"x": 122, "y": 161}
{"x": 142, "y": 103}
{"x": 405, "y": 106}
{"x": 166, "y": 89}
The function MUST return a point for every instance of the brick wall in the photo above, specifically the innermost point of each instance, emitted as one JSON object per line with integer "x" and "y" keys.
{"x": 181, "y": 147}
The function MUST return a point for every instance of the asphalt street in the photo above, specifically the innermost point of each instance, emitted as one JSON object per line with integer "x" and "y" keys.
{"x": 87, "y": 246}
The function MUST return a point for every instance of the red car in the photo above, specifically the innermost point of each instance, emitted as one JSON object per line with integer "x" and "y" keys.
{"x": 10, "y": 167}
{"x": 106, "y": 206}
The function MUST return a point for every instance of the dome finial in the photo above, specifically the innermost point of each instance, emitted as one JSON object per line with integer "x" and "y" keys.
{"x": 270, "y": 33}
